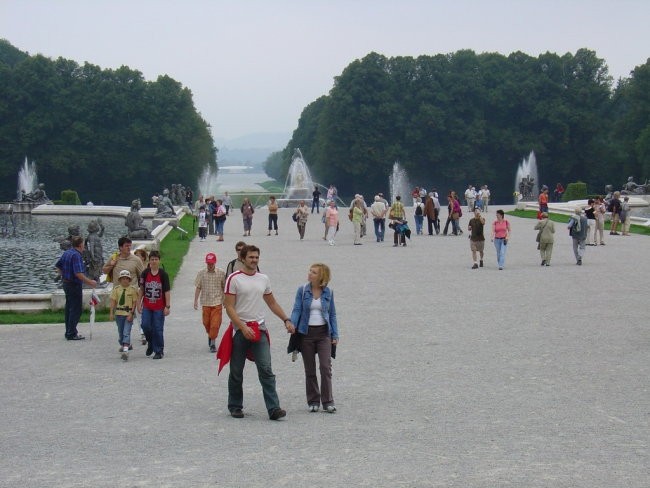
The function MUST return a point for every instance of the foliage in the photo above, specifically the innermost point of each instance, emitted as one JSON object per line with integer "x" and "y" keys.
{"x": 470, "y": 118}
{"x": 562, "y": 218}
{"x": 70, "y": 197}
{"x": 48, "y": 317}
{"x": 575, "y": 191}
{"x": 108, "y": 133}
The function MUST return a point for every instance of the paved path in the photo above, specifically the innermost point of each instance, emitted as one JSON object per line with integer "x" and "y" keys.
{"x": 446, "y": 376}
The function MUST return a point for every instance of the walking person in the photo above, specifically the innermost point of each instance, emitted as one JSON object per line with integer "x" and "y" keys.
{"x": 378, "y": 211}
{"x": 357, "y": 217}
{"x": 301, "y": 216}
{"x": 545, "y": 237}
{"x": 209, "y": 285}
{"x": 227, "y": 202}
{"x": 247, "y": 212}
{"x": 419, "y": 216}
{"x": 456, "y": 214}
{"x": 578, "y": 232}
{"x": 331, "y": 222}
{"x": 315, "y": 200}
{"x": 431, "y": 213}
{"x": 154, "y": 304}
{"x": 72, "y": 268}
{"x": 477, "y": 237}
{"x": 590, "y": 213}
{"x": 219, "y": 219}
{"x": 203, "y": 223}
{"x": 615, "y": 208}
{"x": 397, "y": 215}
{"x": 246, "y": 293}
{"x": 500, "y": 236}
{"x": 599, "y": 213}
{"x": 122, "y": 307}
{"x": 273, "y": 215}
{"x": 314, "y": 314}
{"x": 137, "y": 319}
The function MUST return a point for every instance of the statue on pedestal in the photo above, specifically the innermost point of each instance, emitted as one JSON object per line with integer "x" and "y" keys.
{"x": 135, "y": 223}
{"x": 93, "y": 254}
{"x": 36, "y": 196}
{"x": 165, "y": 206}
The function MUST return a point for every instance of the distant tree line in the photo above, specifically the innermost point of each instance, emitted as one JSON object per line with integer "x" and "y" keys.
{"x": 108, "y": 134}
{"x": 467, "y": 118}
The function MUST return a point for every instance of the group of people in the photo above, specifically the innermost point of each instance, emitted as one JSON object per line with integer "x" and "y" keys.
{"x": 245, "y": 293}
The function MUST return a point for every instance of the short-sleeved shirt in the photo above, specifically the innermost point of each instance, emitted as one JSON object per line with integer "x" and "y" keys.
{"x": 125, "y": 299}
{"x": 70, "y": 263}
{"x": 477, "y": 230}
{"x": 249, "y": 291}
{"x": 133, "y": 264}
{"x": 211, "y": 284}
{"x": 155, "y": 287}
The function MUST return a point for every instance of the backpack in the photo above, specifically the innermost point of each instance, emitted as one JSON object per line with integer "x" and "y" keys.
{"x": 418, "y": 209}
{"x": 350, "y": 214}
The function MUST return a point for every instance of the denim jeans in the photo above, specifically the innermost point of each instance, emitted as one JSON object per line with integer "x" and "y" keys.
{"x": 123, "y": 329}
{"x": 501, "y": 248}
{"x": 218, "y": 227}
{"x": 153, "y": 323}
{"x": 315, "y": 204}
{"x": 73, "y": 303}
{"x": 579, "y": 248}
{"x": 380, "y": 228}
{"x": 419, "y": 219}
{"x": 262, "y": 354}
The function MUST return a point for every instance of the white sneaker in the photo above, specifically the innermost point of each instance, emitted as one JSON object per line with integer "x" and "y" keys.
{"x": 313, "y": 408}
{"x": 331, "y": 243}
{"x": 330, "y": 409}
{"x": 125, "y": 353}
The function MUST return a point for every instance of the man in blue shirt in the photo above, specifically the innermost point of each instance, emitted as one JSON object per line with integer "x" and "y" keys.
{"x": 71, "y": 267}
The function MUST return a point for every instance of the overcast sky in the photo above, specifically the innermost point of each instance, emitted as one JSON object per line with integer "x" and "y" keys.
{"x": 254, "y": 65}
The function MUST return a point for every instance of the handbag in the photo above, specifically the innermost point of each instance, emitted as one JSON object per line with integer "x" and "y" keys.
{"x": 295, "y": 217}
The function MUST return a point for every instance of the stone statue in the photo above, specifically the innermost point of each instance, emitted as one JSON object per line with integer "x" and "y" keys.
{"x": 135, "y": 223}
{"x": 609, "y": 189}
{"x": 36, "y": 196}
{"x": 65, "y": 242}
{"x": 526, "y": 186}
{"x": 165, "y": 206}
{"x": 631, "y": 188}
{"x": 93, "y": 254}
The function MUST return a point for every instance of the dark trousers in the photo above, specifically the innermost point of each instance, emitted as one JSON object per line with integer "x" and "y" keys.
{"x": 73, "y": 300}
{"x": 153, "y": 325}
{"x": 318, "y": 342}
{"x": 273, "y": 221}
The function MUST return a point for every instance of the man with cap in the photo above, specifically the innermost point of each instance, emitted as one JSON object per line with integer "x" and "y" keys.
{"x": 210, "y": 284}
{"x": 123, "y": 301}
{"x": 72, "y": 268}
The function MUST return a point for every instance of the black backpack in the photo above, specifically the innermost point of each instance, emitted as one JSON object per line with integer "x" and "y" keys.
{"x": 418, "y": 209}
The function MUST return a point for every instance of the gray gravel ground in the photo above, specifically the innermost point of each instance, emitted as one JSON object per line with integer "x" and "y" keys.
{"x": 445, "y": 376}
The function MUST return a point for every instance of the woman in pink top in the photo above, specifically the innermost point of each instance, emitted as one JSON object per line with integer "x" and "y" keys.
{"x": 332, "y": 221}
{"x": 500, "y": 236}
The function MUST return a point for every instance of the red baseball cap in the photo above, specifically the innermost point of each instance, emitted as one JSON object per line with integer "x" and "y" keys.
{"x": 211, "y": 258}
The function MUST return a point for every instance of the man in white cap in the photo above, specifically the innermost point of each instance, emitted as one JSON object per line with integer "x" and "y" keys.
{"x": 210, "y": 284}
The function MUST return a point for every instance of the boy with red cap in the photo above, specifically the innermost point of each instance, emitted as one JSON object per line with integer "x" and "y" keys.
{"x": 210, "y": 284}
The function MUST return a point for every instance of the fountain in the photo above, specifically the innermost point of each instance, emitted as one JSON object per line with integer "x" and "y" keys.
{"x": 27, "y": 179}
{"x": 207, "y": 183}
{"x": 526, "y": 182}
{"x": 299, "y": 184}
{"x": 398, "y": 183}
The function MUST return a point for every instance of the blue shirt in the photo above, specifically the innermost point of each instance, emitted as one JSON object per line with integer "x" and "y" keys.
{"x": 70, "y": 263}
{"x": 302, "y": 304}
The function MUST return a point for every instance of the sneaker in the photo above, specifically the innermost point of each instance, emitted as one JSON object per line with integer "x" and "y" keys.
{"x": 602, "y": 243}
{"x": 331, "y": 243}
{"x": 330, "y": 409}
{"x": 475, "y": 266}
{"x": 125, "y": 353}
{"x": 213, "y": 348}
{"x": 149, "y": 350}
{"x": 313, "y": 408}
{"x": 143, "y": 339}
{"x": 547, "y": 264}
{"x": 579, "y": 263}
{"x": 480, "y": 263}
{"x": 157, "y": 356}
{"x": 543, "y": 262}
{"x": 237, "y": 413}
{"x": 277, "y": 414}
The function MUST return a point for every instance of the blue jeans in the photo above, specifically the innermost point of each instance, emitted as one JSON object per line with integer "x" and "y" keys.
{"x": 419, "y": 220}
{"x": 218, "y": 224}
{"x": 73, "y": 301}
{"x": 315, "y": 204}
{"x": 123, "y": 329}
{"x": 153, "y": 323}
{"x": 262, "y": 353}
{"x": 380, "y": 228}
{"x": 501, "y": 248}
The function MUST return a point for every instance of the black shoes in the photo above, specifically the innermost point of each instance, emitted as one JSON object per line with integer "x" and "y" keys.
{"x": 480, "y": 263}
{"x": 76, "y": 338}
{"x": 157, "y": 356}
{"x": 237, "y": 413}
{"x": 149, "y": 350}
{"x": 475, "y": 266}
{"x": 276, "y": 414}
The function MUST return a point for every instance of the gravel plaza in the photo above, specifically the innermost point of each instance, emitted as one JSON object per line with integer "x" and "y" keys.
{"x": 445, "y": 376}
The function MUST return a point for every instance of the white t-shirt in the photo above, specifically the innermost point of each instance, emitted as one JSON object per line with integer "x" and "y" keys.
{"x": 249, "y": 291}
{"x": 316, "y": 313}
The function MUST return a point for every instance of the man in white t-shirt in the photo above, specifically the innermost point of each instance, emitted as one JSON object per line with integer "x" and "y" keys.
{"x": 246, "y": 293}
{"x": 378, "y": 211}
{"x": 470, "y": 198}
